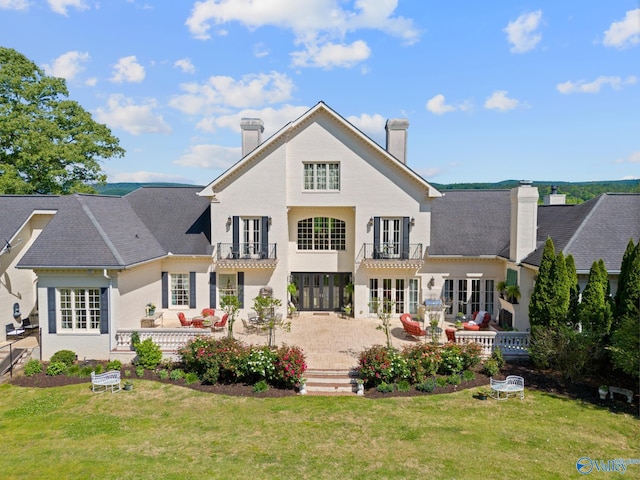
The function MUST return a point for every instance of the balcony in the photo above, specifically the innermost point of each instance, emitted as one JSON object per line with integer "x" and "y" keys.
{"x": 246, "y": 255}
{"x": 391, "y": 255}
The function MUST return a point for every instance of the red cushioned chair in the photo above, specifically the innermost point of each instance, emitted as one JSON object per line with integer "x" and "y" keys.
{"x": 485, "y": 320}
{"x": 451, "y": 334}
{"x": 219, "y": 325}
{"x": 411, "y": 327}
{"x": 183, "y": 321}
{"x": 208, "y": 312}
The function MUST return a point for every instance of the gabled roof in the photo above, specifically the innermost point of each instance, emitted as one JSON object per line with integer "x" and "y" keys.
{"x": 597, "y": 229}
{"x": 470, "y": 223}
{"x": 95, "y": 231}
{"x": 288, "y": 130}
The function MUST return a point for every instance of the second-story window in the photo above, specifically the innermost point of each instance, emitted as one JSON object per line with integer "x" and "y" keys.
{"x": 321, "y": 233}
{"x": 321, "y": 176}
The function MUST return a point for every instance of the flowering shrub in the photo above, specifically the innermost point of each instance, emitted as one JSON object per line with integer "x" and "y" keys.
{"x": 289, "y": 367}
{"x": 452, "y": 361}
{"x": 258, "y": 364}
{"x": 202, "y": 355}
{"x": 382, "y": 364}
{"x": 470, "y": 355}
{"x": 423, "y": 361}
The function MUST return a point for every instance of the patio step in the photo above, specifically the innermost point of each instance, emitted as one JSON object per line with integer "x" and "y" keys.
{"x": 330, "y": 382}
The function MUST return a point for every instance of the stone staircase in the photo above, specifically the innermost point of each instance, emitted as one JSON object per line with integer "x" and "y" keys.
{"x": 331, "y": 382}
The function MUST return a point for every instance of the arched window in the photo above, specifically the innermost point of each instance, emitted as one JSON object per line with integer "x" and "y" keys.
{"x": 321, "y": 233}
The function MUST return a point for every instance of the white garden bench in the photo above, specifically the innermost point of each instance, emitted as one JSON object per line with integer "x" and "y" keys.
{"x": 512, "y": 385}
{"x": 101, "y": 382}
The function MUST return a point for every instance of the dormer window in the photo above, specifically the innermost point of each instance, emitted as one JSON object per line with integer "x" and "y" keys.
{"x": 322, "y": 176}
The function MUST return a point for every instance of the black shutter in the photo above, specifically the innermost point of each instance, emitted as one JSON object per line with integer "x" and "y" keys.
{"x": 51, "y": 309}
{"x": 212, "y": 289}
{"x": 376, "y": 237}
{"x": 264, "y": 230}
{"x": 104, "y": 310}
{"x": 192, "y": 289}
{"x": 235, "y": 248}
{"x": 241, "y": 289}
{"x": 165, "y": 289}
{"x": 406, "y": 222}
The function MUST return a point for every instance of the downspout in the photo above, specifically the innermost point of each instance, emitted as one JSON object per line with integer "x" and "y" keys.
{"x": 111, "y": 333}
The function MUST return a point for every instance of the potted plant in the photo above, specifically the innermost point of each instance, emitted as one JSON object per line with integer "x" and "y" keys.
{"x": 302, "y": 386}
{"x": 348, "y": 290}
{"x": 150, "y": 309}
{"x": 482, "y": 393}
{"x": 513, "y": 293}
{"x": 360, "y": 384}
{"x": 458, "y": 324}
{"x": 347, "y": 309}
{"x": 603, "y": 390}
{"x": 127, "y": 385}
{"x": 501, "y": 287}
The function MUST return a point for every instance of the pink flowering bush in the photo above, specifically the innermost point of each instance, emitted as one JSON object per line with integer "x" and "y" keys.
{"x": 290, "y": 365}
{"x": 423, "y": 361}
{"x": 382, "y": 364}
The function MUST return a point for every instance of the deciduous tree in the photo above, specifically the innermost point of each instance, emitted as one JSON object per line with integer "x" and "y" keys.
{"x": 48, "y": 144}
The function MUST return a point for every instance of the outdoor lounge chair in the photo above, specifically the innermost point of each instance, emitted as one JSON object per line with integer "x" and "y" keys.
{"x": 220, "y": 324}
{"x": 13, "y": 331}
{"x": 411, "y": 327}
{"x": 183, "y": 320}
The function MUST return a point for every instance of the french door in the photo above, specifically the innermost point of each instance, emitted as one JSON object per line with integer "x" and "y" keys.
{"x": 323, "y": 292}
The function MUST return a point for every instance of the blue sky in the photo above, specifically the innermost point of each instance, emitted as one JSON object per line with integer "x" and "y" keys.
{"x": 493, "y": 90}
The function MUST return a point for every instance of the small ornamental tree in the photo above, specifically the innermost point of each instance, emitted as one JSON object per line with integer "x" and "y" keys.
{"x": 383, "y": 311}
{"x": 231, "y": 306}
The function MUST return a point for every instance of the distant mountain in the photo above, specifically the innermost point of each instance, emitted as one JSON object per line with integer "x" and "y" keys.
{"x": 120, "y": 189}
{"x": 576, "y": 192}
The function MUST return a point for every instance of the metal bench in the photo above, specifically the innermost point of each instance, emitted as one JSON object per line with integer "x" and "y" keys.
{"x": 512, "y": 385}
{"x": 101, "y": 382}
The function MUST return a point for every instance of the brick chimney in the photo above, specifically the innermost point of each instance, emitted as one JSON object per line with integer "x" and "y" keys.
{"x": 524, "y": 220}
{"x": 252, "y": 129}
{"x": 397, "y": 138}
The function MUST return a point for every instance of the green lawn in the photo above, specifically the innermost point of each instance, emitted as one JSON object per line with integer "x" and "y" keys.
{"x": 166, "y": 431}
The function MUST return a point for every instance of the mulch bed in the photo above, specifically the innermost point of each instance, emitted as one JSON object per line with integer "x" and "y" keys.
{"x": 542, "y": 380}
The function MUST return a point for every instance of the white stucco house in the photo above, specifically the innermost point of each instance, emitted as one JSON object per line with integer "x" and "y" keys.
{"x": 318, "y": 204}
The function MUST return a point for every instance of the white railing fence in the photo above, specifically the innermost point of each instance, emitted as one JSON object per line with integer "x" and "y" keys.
{"x": 512, "y": 344}
{"x": 168, "y": 339}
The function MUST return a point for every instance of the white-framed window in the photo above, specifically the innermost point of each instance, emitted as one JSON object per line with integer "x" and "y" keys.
{"x": 321, "y": 233}
{"x": 466, "y": 295}
{"x": 251, "y": 237}
{"x": 227, "y": 284}
{"x": 402, "y": 294}
{"x": 79, "y": 309}
{"x": 179, "y": 289}
{"x": 322, "y": 176}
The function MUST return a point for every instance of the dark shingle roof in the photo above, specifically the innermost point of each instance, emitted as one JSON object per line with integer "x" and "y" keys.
{"x": 112, "y": 232}
{"x": 470, "y": 223}
{"x": 598, "y": 229}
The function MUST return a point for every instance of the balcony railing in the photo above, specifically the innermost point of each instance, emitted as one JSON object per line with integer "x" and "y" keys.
{"x": 397, "y": 251}
{"x": 246, "y": 251}
{"x": 512, "y": 344}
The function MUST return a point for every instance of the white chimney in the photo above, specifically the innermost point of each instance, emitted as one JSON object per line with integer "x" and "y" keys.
{"x": 524, "y": 221}
{"x": 555, "y": 198}
{"x": 397, "y": 138}
{"x": 252, "y": 129}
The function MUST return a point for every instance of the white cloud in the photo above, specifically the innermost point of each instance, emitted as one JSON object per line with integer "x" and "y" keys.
{"x": 273, "y": 119}
{"x": 371, "y": 125}
{"x": 581, "y": 86}
{"x": 500, "y": 101}
{"x": 438, "y": 106}
{"x": 14, "y": 4}
{"x": 128, "y": 70}
{"x": 331, "y": 55}
{"x": 633, "y": 158}
{"x": 91, "y": 82}
{"x": 320, "y": 26}
{"x": 260, "y": 50}
{"x": 624, "y": 33}
{"x": 60, "y": 6}
{"x": 522, "y": 34}
{"x": 123, "y": 113}
{"x": 249, "y": 91}
{"x": 146, "y": 177}
{"x": 210, "y": 156}
{"x": 185, "y": 65}
{"x": 67, "y": 65}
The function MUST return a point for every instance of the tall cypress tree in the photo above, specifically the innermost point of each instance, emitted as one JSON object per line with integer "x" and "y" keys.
{"x": 541, "y": 298}
{"x": 559, "y": 301}
{"x": 574, "y": 290}
{"x": 593, "y": 308}
{"x": 628, "y": 291}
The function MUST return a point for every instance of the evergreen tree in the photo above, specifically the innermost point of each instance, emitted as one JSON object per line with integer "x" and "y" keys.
{"x": 559, "y": 301}
{"x": 541, "y": 298}
{"x": 594, "y": 310}
{"x": 628, "y": 291}
{"x": 574, "y": 290}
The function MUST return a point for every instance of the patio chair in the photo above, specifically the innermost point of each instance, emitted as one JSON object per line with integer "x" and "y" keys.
{"x": 28, "y": 326}
{"x": 221, "y": 324}
{"x": 411, "y": 328}
{"x": 13, "y": 331}
{"x": 451, "y": 334}
{"x": 248, "y": 326}
{"x": 183, "y": 320}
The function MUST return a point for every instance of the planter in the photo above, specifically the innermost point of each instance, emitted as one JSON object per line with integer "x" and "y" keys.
{"x": 302, "y": 389}
{"x": 603, "y": 393}
{"x": 127, "y": 386}
{"x": 360, "y": 390}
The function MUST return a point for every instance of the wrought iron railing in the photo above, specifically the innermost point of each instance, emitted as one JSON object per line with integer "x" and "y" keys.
{"x": 244, "y": 251}
{"x": 392, "y": 251}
